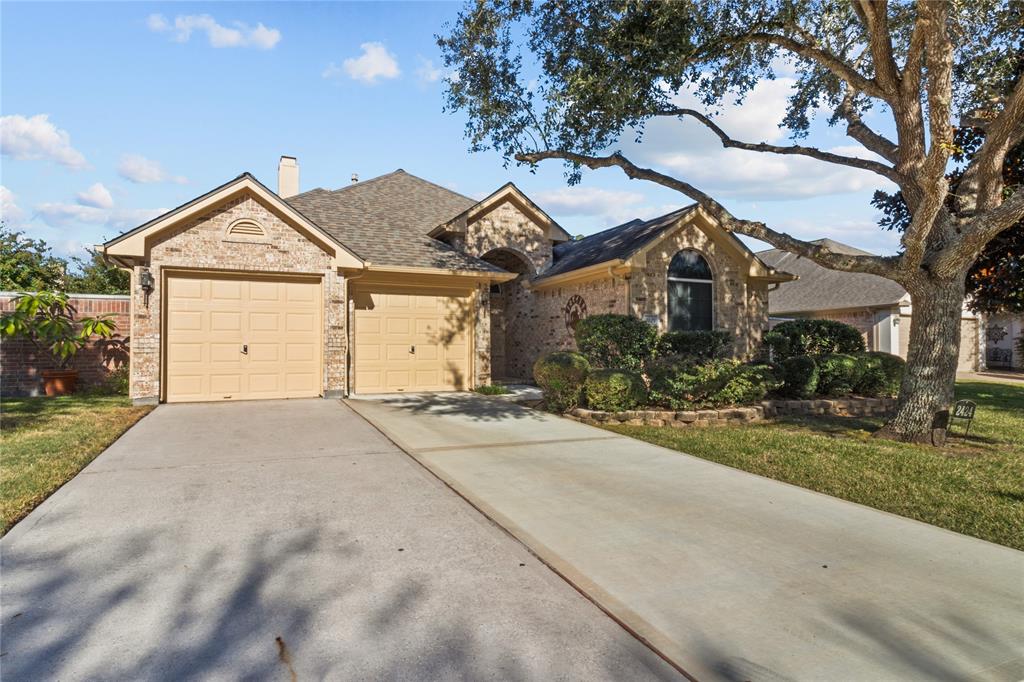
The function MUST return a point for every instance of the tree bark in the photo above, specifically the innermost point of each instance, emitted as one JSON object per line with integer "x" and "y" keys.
{"x": 933, "y": 352}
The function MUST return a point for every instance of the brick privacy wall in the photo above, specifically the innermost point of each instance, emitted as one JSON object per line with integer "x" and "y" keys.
{"x": 22, "y": 363}
{"x": 203, "y": 243}
{"x": 740, "y": 306}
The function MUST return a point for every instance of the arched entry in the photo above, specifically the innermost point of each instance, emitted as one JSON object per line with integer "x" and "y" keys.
{"x": 510, "y": 303}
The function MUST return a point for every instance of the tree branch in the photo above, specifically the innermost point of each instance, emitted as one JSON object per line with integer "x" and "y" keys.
{"x": 792, "y": 150}
{"x": 874, "y": 14}
{"x": 837, "y": 66}
{"x": 978, "y": 232}
{"x": 875, "y": 265}
{"x": 858, "y": 130}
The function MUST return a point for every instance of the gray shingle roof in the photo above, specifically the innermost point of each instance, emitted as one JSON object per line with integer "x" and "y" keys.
{"x": 386, "y": 220}
{"x": 616, "y": 242}
{"x": 822, "y": 289}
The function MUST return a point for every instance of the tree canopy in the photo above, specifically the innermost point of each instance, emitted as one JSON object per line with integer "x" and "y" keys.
{"x": 29, "y": 265}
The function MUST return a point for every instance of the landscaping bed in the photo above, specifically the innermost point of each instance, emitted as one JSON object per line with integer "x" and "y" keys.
{"x": 972, "y": 485}
{"x": 44, "y": 442}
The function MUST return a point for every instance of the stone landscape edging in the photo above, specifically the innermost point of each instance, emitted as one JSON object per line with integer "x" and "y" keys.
{"x": 839, "y": 407}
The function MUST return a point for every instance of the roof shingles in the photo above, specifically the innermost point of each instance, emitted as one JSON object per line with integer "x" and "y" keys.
{"x": 386, "y": 220}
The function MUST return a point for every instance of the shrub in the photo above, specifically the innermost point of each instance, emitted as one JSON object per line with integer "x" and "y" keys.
{"x": 614, "y": 390}
{"x": 838, "y": 374}
{"x": 700, "y": 345}
{"x": 491, "y": 389}
{"x": 881, "y": 374}
{"x": 799, "y": 377}
{"x": 616, "y": 341}
{"x": 561, "y": 375}
{"x": 814, "y": 337}
{"x": 777, "y": 345}
{"x": 681, "y": 383}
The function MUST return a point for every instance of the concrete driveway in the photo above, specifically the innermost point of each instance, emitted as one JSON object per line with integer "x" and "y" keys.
{"x": 285, "y": 540}
{"x": 731, "y": 575}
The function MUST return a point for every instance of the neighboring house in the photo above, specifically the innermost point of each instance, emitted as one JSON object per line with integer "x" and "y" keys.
{"x": 397, "y": 284}
{"x": 1001, "y": 333}
{"x": 880, "y": 308}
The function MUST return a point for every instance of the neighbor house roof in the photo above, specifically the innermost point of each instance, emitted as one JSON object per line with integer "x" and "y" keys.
{"x": 386, "y": 220}
{"x": 619, "y": 242}
{"x": 820, "y": 288}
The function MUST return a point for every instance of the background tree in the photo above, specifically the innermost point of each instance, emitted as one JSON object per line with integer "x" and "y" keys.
{"x": 567, "y": 79}
{"x": 96, "y": 276}
{"x": 27, "y": 264}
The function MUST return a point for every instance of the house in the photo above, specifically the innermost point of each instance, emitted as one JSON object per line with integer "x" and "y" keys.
{"x": 398, "y": 284}
{"x": 880, "y": 308}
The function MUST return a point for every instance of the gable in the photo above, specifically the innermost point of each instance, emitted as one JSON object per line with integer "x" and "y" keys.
{"x": 507, "y": 227}
{"x": 134, "y": 246}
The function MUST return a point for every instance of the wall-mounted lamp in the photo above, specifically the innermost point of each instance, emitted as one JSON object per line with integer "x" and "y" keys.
{"x": 146, "y": 280}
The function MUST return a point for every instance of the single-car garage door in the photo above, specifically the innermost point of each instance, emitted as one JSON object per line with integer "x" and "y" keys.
{"x": 242, "y": 338}
{"x": 409, "y": 339}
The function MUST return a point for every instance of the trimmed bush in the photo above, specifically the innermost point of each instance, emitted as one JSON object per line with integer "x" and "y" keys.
{"x": 799, "y": 377}
{"x": 616, "y": 341}
{"x": 680, "y": 383}
{"x": 881, "y": 374}
{"x": 814, "y": 337}
{"x": 561, "y": 376}
{"x": 614, "y": 390}
{"x": 700, "y": 345}
{"x": 777, "y": 345}
{"x": 838, "y": 374}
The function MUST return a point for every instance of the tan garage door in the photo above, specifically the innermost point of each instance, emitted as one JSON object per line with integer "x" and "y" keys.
{"x": 231, "y": 338}
{"x": 411, "y": 340}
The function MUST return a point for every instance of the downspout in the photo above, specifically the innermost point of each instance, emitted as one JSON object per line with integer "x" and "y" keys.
{"x": 349, "y": 337}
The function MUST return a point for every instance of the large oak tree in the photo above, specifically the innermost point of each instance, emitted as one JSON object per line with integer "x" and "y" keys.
{"x": 569, "y": 79}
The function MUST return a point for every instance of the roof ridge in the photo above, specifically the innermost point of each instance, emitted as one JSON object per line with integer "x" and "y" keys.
{"x": 364, "y": 183}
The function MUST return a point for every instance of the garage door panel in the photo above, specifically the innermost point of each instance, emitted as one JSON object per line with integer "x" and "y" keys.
{"x": 389, "y": 323}
{"x": 209, "y": 322}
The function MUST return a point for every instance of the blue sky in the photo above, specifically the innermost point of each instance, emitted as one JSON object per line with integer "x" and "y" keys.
{"x": 114, "y": 111}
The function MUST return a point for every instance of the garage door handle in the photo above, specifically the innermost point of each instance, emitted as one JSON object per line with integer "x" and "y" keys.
{"x": 245, "y": 349}
{"x": 412, "y": 349}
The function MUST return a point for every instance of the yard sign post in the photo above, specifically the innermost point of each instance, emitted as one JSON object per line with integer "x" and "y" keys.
{"x": 964, "y": 409}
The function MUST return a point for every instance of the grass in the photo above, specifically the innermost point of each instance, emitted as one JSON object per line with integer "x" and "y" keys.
{"x": 44, "y": 442}
{"x": 973, "y": 485}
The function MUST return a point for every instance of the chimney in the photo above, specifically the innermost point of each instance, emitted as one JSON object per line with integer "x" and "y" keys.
{"x": 355, "y": 178}
{"x": 287, "y": 177}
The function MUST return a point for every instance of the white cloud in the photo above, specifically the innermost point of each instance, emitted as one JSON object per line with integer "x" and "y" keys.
{"x": 589, "y": 201}
{"x": 10, "y": 212}
{"x": 139, "y": 169}
{"x": 218, "y": 35}
{"x": 36, "y": 137}
{"x": 96, "y": 196}
{"x": 375, "y": 63}
{"x": 56, "y": 214}
{"x": 690, "y": 151}
{"x": 426, "y": 72}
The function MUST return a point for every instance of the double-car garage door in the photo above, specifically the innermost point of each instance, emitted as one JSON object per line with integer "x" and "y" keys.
{"x": 233, "y": 337}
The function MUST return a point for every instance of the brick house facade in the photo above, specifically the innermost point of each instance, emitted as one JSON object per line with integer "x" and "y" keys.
{"x": 416, "y": 288}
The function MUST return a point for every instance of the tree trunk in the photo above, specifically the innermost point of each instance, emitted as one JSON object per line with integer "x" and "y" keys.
{"x": 926, "y": 391}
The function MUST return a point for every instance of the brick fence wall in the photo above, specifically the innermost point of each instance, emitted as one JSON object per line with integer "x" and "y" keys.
{"x": 22, "y": 363}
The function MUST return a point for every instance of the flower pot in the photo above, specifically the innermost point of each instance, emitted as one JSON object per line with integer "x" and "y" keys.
{"x": 59, "y": 381}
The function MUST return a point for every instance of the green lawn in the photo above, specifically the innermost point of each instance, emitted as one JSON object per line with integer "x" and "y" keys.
{"x": 44, "y": 442}
{"x": 973, "y": 486}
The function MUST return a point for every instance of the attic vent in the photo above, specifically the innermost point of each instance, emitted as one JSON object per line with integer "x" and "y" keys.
{"x": 246, "y": 228}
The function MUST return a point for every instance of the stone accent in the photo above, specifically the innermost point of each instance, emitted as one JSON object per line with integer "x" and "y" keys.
{"x": 203, "y": 243}
{"x": 22, "y": 363}
{"x": 840, "y": 407}
{"x": 507, "y": 228}
{"x": 740, "y": 306}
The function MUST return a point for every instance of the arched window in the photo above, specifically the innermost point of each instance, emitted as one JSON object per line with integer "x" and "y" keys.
{"x": 689, "y": 293}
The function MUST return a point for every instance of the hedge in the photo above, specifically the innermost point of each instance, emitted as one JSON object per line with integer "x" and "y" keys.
{"x": 614, "y": 390}
{"x": 700, "y": 345}
{"x": 616, "y": 341}
{"x": 813, "y": 337}
{"x": 561, "y": 375}
{"x": 678, "y": 383}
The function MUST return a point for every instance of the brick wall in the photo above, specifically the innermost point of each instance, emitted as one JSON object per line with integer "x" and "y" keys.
{"x": 204, "y": 243}
{"x": 22, "y": 363}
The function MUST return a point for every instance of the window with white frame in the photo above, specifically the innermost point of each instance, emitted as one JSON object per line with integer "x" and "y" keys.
{"x": 690, "y": 301}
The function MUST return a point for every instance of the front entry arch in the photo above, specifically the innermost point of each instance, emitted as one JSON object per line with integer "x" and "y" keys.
{"x": 510, "y": 303}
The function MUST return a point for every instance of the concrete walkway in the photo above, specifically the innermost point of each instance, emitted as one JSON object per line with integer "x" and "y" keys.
{"x": 731, "y": 575}
{"x": 285, "y": 541}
